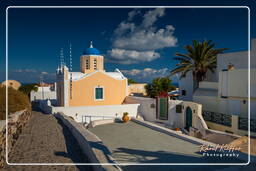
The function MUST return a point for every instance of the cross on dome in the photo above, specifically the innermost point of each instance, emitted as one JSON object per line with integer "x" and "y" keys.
{"x": 91, "y": 50}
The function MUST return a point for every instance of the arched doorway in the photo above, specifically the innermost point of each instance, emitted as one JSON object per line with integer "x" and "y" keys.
{"x": 188, "y": 117}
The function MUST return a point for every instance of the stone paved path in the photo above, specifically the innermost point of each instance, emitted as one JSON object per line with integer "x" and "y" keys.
{"x": 46, "y": 140}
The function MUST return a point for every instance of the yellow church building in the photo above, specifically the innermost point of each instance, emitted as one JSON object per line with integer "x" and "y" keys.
{"x": 91, "y": 86}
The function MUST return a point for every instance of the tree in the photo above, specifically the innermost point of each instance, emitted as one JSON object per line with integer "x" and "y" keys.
{"x": 26, "y": 89}
{"x": 131, "y": 81}
{"x": 200, "y": 57}
{"x": 158, "y": 85}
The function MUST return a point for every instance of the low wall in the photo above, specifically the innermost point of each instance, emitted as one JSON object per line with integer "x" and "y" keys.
{"x": 138, "y": 89}
{"x": 233, "y": 129}
{"x": 173, "y": 133}
{"x": 199, "y": 127}
{"x": 45, "y": 106}
{"x": 16, "y": 122}
{"x": 147, "y": 108}
{"x": 77, "y": 113}
{"x": 90, "y": 144}
{"x": 101, "y": 122}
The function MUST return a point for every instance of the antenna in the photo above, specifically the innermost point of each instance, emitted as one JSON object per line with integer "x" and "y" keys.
{"x": 70, "y": 57}
{"x": 42, "y": 85}
{"x": 40, "y": 79}
{"x": 91, "y": 44}
{"x": 70, "y": 69}
{"x": 61, "y": 58}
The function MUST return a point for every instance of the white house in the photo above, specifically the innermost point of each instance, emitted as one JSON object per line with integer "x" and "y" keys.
{"x": 44, "y": 92}
{"x": 224, "y": 94}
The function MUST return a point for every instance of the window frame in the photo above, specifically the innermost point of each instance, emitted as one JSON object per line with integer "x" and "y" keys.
{"x": 103, "y": 93}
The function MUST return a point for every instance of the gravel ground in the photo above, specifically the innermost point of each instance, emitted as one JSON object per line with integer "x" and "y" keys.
{"x": 46, "y": 140}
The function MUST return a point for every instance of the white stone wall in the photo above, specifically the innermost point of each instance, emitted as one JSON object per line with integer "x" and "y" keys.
{"x": 77, "y": 113}
{"x": 208, "y": 85}
{"x": 41, "y": 95}
{"x": 175, "y": 120}
{"x": 235, "y": 83}
{"x": 186, "y": 83}
{"x": 147, "y": 108}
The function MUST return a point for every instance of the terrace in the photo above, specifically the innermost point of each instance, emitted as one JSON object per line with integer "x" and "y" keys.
{"x": 141, "y": 142}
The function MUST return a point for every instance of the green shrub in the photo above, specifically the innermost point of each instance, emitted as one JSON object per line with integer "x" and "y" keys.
{"x": 16, "y": 101}
{"x": 125, "y": 113}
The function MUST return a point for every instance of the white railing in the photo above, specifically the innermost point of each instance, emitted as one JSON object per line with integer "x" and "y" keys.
{"x": 88, "y": 118}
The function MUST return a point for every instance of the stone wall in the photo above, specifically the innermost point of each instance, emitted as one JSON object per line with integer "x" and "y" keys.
{"x": 16, "y": 122}
{"x": 91, "y": 145}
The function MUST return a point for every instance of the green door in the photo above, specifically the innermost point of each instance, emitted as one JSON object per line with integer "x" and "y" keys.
{"x": 188, "y": 117}
{"x": 163, "y": 108}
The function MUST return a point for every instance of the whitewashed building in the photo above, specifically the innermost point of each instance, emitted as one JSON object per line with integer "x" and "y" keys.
{"x": 224, "y": 93}
{"x": 44, "y": 93}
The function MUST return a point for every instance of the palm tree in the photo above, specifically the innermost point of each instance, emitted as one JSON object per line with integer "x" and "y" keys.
{"x": 200, "y": 57}
{"x": 159, "y": 85}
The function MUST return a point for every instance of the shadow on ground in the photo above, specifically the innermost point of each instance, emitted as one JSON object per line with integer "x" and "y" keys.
{"x": 74, "y": 152}
{"x": 149, "y": 157}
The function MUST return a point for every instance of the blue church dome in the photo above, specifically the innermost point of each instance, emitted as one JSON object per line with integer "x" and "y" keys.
{"x": 91, "y": 51}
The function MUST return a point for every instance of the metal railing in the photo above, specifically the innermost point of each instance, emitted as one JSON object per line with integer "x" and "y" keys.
{"x": 243, "y": 124}
{"x": 89, "y": 118}
{"x": 219, "y": 118}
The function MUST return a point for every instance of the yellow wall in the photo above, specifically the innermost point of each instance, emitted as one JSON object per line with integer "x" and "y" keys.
{"x": 90, "y": 58}
{"x": 12, "y": 83}
{"x": 114, "y": 91}
{"x": 137, "y": 89}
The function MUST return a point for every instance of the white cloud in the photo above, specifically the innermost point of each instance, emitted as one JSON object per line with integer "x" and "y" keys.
{"x": 147, "y": 39}
{"x": 25, "y": 70}
{"x": 151, "y": 16}
{"x": 139, "y": 43}
{"x": 132, "y": 14}
{"x": 146, "y": 74}
{"x": 44, "y": 73}
{"x": 132, "y": 56}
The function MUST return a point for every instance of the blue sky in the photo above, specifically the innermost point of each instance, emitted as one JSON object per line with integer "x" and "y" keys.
{"x": 139, "y": 42}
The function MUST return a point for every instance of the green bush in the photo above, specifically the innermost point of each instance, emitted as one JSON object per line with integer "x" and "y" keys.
{"x": 16, "y": 101}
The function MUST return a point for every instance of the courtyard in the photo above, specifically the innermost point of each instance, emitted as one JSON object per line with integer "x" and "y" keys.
{"x": 135, "y": 143}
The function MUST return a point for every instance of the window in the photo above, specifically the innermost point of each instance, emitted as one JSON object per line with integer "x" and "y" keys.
{"x": 178, "y": 108}
{"x": 95, "y": 63}
{"x": 98, "y": 93}
{"x": 87, "y": 64}
{"x": 183, "y": 92}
